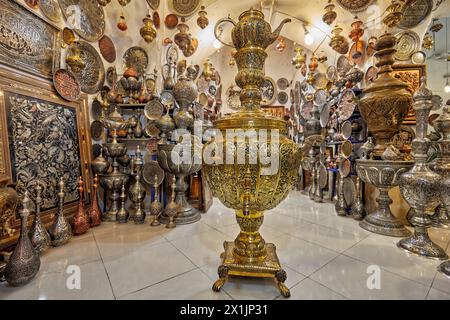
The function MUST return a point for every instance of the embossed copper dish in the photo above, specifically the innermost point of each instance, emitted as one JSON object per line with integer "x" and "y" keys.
{"x": 136, "y": 58}
{"x": 66, "y": 85}
{"x": 152, "y": 173}
{"x": 184, "y": 7}
{"x": 171, "y": 21}
{"x": 91, "y": 22}
{"x": 51, "y": 9}
{"x": 156, "y": 20}
{"x": 92, "y": 76}
{"x": 107, "y": 49}
{"x": 96, "y": 130}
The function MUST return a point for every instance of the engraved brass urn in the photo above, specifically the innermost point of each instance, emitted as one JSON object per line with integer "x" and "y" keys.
{"x": 386, "y": 101}
{"x": 250, "y": 187}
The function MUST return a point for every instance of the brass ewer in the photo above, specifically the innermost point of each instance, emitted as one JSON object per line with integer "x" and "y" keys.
{"x": 244, "y": 185}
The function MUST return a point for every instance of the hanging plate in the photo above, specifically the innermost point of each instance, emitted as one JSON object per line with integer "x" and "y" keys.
{"x": 345, "y": 167}
{"x": 306, "y": 109}
{"x": 90, "y": 25}
{"x": 419, "y": 57}
{"x": 323, "y": 176}
{"x": 66, "y": 85}
{"x": 346, "y": 105}
{"x": 172, "y": 54}
{"x": 184, "y": 7}
{"x": 136, "y": 58}
{"x": 283, "y": 97}
{"x": 343, "y": 66}
{"x": 268, "y": 91}
{"x": 96, "y": 109}
{"x": 371, "y": 74}
{"x": 153, "y": 110}
{"x": 151, "y": 130}
{"x": 96, "y": 130}
{"x": 202, "y": 84}
{"x": 349, "y": 190}
{"x": 415, "y": 14}
{"x": 346, "y": 149}
{"x": 233, "y": 99}
{"x": 355, "y": 6}
{"x": 167, "y": 98}
{"x": 320, "y": 97}
{"x": 325, "y": 116}
{"x": 320, "y": 81}
{"x": 51, "y": 9}
{"x": 107, "y": 49}
{"x": 408, "y": 42}
{"x": 152, "y": 173}
{"x": 282, "y": 83}
{"x": 92, "y": 77}
{"x": 346, "y": 129}
{"x": 154, "y": 4}
{"x": 332, "y": 73}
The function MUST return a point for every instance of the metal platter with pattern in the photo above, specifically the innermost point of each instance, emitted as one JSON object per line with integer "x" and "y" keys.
{"x": 371, "y": 74}
{"x": 96, "y": 130}
{"x": 92, "y": 76}
{"x": 320, "y": 81}
{"x": 306, "y": 109}
{"x": 323, "y": 176}
{"x": 282, "y": 97}
{"x": 408, "y": 42}
{"x": 51, "y": 9}
{"x": 96, "y": 109}
{"x": 151, "y": 130}
{"x": 414, "y": 14}
{"x": 346, "y": 105}
{"x": 343, "y": 66}
{"x": 282, "y": 83}
{"x": 136, "y": 58}
{"x": 268, "y": 91}
{"x": 152, "y": 173}
{"x": 91, "y": 25}
{"x": 107, "y": 49}
{"x": 153, "y": 110}
{"x": 355, "y": 6}
{"x": 346, "y": 149}
{"x": 66, "y": 85}
{"x": 184, "y": 7}
{"x": 154, "y": 4}
{"x": 345, "y": 166}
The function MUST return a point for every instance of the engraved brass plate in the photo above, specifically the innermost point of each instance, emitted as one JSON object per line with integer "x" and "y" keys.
{"x": 185, "y": 7}
{"x": 51, "y": 9}
{"x": 28, "y": 42}
{"x": 355, "y": 6}
{"x": 413, "y": 15}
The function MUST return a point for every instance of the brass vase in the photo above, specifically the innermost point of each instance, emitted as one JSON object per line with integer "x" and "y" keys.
{"x": 60, "y": 232}
{"x": 244, "y": 186}
{"x": 94, "y": 213}
{"x": 386, "y": 101}
{"x": 24, "y": 263}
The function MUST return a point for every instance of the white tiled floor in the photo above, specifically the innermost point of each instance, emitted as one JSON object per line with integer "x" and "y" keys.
{"x": 325, "y": 256}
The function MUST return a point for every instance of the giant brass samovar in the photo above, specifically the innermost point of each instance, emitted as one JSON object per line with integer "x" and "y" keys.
{"x": 243, "y": 185}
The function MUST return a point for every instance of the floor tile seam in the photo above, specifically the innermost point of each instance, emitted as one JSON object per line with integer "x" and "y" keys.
{"x": 331, "y": 289}
{"x": 104, "y": 267}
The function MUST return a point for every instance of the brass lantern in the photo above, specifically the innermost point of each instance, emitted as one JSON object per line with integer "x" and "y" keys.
{"x": 148, "y": 33}
{"x": 299, "y": 58}
{"x": 330, "y": 15}
{"x": 338, "y": 42}
{"x": 208, "y": 72}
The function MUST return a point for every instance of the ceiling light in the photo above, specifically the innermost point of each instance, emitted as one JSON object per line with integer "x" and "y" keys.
{"x": 309, "y": 39}
{"x": 217, "y": 44}
{"x": 447, "y": 87}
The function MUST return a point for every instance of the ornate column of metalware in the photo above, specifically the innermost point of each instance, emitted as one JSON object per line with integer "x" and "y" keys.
{"x": 24, "y": 263}
{"x": 112, "y": 182}
{"x": 80, "y": 222}
{"x": 172, "y": 208}
{"x": 340, "y": 205}
{"x": 60, "y": 232}
{"x": 94, "y": 213}
{"x": 358, "y": 209}
{"x": 420, "y": 186}
{"x": 441, "y": 218}
{"x": 40, "y": 239}
{"x": 168, "y": 161}
{"x": 156, "y": 206}
{"x": 137, "y": 194}
{"x": 248, "y": 188}
{"x": 123, "y": 214}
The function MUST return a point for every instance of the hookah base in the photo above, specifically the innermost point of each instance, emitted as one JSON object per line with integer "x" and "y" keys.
{"x": 109, "y": 216}
{"x": 188, "y": 216}
{"x": 441, "y": 219}
{"x": 422, "y": 246}
{"x": 269, "y": 268}
{"x": 444, "y": 268}
{"x": 387, "y": 226}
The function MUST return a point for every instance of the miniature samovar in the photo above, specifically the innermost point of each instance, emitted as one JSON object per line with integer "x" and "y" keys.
{"x": 250, "y": 187}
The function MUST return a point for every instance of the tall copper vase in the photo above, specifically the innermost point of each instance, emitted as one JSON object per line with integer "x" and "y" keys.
{"x": 80, "y": 222}
{"x": 94, "y": 213}
{"x": 24, "y": 262}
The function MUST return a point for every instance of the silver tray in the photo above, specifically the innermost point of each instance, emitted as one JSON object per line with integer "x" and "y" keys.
{"x": 136, "y": 58}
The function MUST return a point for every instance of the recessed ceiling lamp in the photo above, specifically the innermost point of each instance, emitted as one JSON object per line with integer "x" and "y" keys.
{"x": 309, "y": 39}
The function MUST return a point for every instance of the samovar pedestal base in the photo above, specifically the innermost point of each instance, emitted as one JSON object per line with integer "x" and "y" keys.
{"x": 441, "y": 218}
{"x": 269, "y": 268}
{"x": 109, "y": 217}
{"x": 444, "y": 268}
{"x": 422, "y": 245}
{"x": 384, "y": 225}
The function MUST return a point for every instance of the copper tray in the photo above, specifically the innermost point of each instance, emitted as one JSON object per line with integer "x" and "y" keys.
{"x": 156, "y": 20}
{"x": 51, "y": 9}
{"x": 323, "y": 176}
{"x": 107, "y": 49}
{"x": 66, "y": 85}
{"x": 408, "y": 42}
{"x": 92, "y": 77}
{"x": 92, "y": 18}
{"x": 96, "y": 130}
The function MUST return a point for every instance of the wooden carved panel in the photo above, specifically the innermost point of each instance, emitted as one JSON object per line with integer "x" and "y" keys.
{"x": 28, "y": 42}
{"x": 411, "y": 74}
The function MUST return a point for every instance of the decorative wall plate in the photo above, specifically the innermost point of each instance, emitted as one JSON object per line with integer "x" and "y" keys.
{"x": 152, "y": 173}
{"x": 323, "y": 176}
{"x": 306, "y": 109}
{"x": 346, "y": 129}
{"x": 371, "y": 74}
{"x": 212, "y": 90}
{"x": 346, "y": 105}
{"x": 96, "y": 109}
{"x": 349, "y": 190}
{"x": 355, "y": 60}
{"x": 282, "y": 97}
{"x": 268, "y": 91}
{"x": 297, "y": 92}
{"x": 92, "y": 77}
{"x": 325, "y": 115}
{"x": 419, "y": 57}
{"x": 172, "y": 54}
{"x": 345, "y": 166}
{"x": 136, "y": 58}
{"x": 202, "y": 85}
{"x": 167, "y": 98}
{"x": 343, "y": 66}
{"x": 355, "y": 6}
{"x": 346, "y": 149}
{"x": 203, "y": 99}
{"x": 408, "y": 42}
{"x": 320, "y": 81}
{"x": 51, "y": 9}
{"x": 154, "y": 4}
{"x": 233, "y": 98}
{"x": 153, "y": 110}
{"x": 282, "y": 83}
{"x": 320, "y": 97}
{"x": 91, "y": 21}
{"x": 107, "y": 49}
{"x": 171, "y": 21}
{"x": 151, "y": 130}
{"x": 96, "y": 130}
{"x": 332, "y": 73}
{"x": 184, "y": 7}
{"x": 66, "y": 85}
{"x": 414, "y": 14}
{"x": 110, "y": 75}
